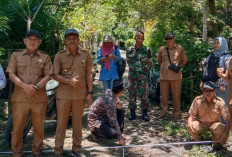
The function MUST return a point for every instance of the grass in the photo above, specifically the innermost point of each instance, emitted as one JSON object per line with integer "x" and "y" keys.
{"x": 174, "y": 129}
{"x": 196, "y": 151}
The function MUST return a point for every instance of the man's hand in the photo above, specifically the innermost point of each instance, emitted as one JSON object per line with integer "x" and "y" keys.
{"x": 89, "y": 100}
{"x": 118, "y": 105}
{"x": 222, "y": 88}
{"x": 29, "y": 90}
{"x": 190, "y": 123}
{"x": 190, "y": 126}
{"x": 74, "y": 81}
{"x": 121, "y": 142}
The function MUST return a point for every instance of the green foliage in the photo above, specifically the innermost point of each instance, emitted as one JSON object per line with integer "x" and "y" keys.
{"x": 174, "y": 129}
{"x": 129, "y": 42}
{"x": 206, "y": 134}
{"x": 3, "y": 112}
{"x": 196, "y": 151}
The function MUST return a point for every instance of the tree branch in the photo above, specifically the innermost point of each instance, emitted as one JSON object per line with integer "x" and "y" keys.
{"x": 34, "y": 16}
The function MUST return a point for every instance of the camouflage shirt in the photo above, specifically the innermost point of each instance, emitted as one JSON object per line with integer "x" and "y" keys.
{"x": 138, "y": 58}
{"x": 103, "y": 110}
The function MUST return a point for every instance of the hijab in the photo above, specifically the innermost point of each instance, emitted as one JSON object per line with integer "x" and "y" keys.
{"x": 223, "y": 47}
{"x": 107, "y": 50}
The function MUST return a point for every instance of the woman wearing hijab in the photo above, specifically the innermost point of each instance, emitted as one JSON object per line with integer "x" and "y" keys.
{"x": 219, "y": 59}
{"x": 222, "y": 51}
{"x": 107, "y": 57}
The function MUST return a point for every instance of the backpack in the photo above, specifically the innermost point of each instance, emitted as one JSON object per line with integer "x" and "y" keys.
{"x": 209, "y": 69}
{"x": 121, "y": 65}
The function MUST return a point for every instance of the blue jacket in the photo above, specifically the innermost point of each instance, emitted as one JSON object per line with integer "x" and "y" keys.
{"x": 106, "y": 74}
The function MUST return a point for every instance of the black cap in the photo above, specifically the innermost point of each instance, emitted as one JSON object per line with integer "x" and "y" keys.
{"x": 169, "y": 35}
{"x": 70, "y": 31}
{"x": 209, "y": 84}
{"x": 35, "y": 32}
{"x": 117, "y": 85}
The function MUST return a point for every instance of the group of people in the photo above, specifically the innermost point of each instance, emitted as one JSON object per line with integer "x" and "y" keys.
{"x": 30, "y": 69}
{"x": 212, "y": 110}
{"x": 208, "y": 112}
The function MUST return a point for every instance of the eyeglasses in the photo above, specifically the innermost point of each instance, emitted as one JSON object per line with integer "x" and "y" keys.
{"x": 208, "y": 90}
{"x": 170, "y": 38}
{"x": 71, "y": 38}
{"x": 33, "y": 39}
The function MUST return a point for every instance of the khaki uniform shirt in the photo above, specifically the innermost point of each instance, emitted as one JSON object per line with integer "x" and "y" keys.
{"x": 177, "y": 56}
{"x": 208, "y": 113}
{"x": 229, "y": 67}
{"x": 30, "y": 69}
{"x": 69, "y": 66}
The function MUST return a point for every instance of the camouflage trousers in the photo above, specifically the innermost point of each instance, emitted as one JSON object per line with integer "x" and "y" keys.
{"x": 138, "y": 87}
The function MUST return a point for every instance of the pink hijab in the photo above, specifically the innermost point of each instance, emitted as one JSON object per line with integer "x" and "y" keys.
{"x": 106, "y": 51}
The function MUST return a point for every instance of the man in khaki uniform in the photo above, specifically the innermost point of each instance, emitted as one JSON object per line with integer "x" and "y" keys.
{"x": 29, "y": 70}
{"x": 73, "y": 69}
{"x": 169, "y": 77}
{"x": 205, "y": 114}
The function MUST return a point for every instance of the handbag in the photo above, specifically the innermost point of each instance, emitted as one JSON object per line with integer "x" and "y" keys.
{"x": 121, "y": 65}
{"x": 172, "y": 66}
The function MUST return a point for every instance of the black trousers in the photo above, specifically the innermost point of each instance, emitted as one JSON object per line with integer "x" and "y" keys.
{"x": 107, "y": 130}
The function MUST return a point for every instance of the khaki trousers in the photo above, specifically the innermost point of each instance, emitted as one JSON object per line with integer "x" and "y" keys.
{"x": 63, "y": 110}
{"x": 176, "y": 93}
{"x": 217, "y": 129}
{"x": 20, "y": 112}
{"x": 229, "y": 96}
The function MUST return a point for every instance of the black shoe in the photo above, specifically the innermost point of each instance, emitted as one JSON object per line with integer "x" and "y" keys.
{"x": 133, "y": 115}
{"x": 218, "y": 146}
{"x": 37, "y": 155}
{"x": 145, "y": 116}
{"x": 58, "y": 155}
{"x": 77, "y": 154}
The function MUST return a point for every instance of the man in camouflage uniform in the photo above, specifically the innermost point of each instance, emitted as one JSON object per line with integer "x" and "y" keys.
{"x": 138, "y": 59}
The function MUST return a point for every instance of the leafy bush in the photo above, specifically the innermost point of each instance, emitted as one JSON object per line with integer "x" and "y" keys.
{"x": 129, "y": 42}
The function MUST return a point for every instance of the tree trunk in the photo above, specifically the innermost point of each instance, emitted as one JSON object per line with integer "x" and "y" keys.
{"x": 212, "y": 10}
{"x": 204, "y": 31}
{"x": 29, "y": 24}
{"x": 191, "y": 86}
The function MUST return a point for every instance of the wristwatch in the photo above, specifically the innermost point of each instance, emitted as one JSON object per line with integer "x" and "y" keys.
{"x": 37, "y": 87}
{"x": 90, "y": 92}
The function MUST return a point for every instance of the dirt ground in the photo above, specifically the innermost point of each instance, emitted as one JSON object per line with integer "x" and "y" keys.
{"x": 156, "y": 131}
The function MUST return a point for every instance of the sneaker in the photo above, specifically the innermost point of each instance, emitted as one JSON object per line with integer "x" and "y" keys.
{"x": 207, "y": 148}
{"x": 77, "y": 154}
